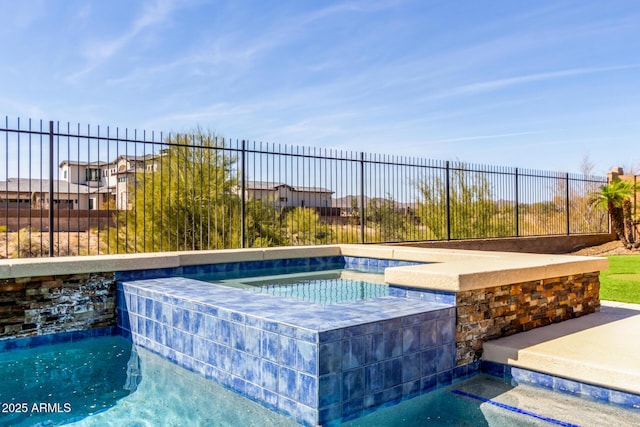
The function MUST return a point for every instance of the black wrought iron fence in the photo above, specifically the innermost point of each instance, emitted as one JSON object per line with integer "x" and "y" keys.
{"x": 70, "y": 190}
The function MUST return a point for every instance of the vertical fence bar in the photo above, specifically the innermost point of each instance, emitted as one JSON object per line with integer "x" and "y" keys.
{"x": 517, "y": 205}
{"x": 18, "y": 200}
{"x": 51, "y": 188}
{"x": 69, "y": 195}
{"x": 448, "y": 199}
{"x": 6, "y": 187}
{"x": 362, "y": 239}
{"x": 635, "y": 204}
{"x": 567, "y": 203}
{"x": 242, "y": 192}
{"x": 30, "y": 195}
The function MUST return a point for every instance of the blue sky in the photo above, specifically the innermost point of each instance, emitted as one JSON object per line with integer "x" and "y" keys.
{"x": 535, "y": 84}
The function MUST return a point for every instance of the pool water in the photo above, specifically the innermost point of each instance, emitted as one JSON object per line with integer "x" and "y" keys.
{"x": 107, "y": 381}
{"x": 489, "y": 401}
{"x": 64, "y": 381}
{"x": 324, "y": 287}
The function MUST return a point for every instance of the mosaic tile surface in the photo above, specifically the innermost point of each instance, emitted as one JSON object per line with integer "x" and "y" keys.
{"x": 316, "y": 363}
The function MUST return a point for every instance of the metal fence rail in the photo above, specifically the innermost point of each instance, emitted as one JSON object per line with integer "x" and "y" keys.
{"x": 69, "y": 190}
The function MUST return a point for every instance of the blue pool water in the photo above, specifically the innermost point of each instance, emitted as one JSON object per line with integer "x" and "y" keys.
{"x": 323, "y": 287}
{"x": 58, "y": 382}
{"x": 107, "y": 381}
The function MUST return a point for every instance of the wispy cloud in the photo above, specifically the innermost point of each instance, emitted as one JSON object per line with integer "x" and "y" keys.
{"x": 283, "y": 31}
{"x": 21, "y": 108}
{"x": 98, "y": 53}
{"x": 228, "y": 53}
{"x": 492, "y": 85}
{"x": 18, "y": 16}
{"x": 483, "y": 137}
{"x": 349, "y": 7}
{"x": 213, "y": 113}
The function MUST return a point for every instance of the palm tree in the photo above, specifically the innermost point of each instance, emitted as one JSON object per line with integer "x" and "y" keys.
{"x": 615, "y": 196}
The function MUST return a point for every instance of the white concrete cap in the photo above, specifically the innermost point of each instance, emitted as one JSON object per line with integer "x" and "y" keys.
{"x": 444, "y": 269}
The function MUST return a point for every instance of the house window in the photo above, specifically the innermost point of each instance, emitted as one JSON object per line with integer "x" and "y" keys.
{"x": 64, "y": 175}
{"x": 93, "y": 174}
{"x": 122, "y": 179}
{"x": 283, "y": 199}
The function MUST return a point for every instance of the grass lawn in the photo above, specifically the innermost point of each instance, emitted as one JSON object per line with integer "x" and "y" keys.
{"x": 621, "y": 282}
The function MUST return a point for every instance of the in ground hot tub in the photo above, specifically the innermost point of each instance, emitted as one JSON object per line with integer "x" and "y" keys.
{"x": 316, "y": 359}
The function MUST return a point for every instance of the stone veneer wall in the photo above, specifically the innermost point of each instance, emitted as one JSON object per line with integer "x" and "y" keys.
{"x": 32, "y": 306}
{"x": 499, "y": 311}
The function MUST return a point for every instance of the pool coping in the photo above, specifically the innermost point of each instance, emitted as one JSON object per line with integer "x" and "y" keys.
{"x": 450, "y": 270}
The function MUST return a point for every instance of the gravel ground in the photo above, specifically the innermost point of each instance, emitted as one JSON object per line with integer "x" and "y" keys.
{"x": 609, "y": 248}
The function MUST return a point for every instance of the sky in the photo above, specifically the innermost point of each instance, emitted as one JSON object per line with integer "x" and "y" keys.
{"x": 543, "y": 84}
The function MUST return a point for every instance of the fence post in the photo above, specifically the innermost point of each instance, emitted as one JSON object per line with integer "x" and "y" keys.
{"x": 448, "y": 201}
{"x": 635, "y": 203}
{"x": 243, "y": 197}
{"x": 567, "y": 202}
{"x": 361, "y": 197}
{"x": 517, "y": 210}
{"x": 51, "y": 204}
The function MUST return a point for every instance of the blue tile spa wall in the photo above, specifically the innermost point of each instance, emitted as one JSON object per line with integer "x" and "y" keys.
{"x": 315, "y": 375}
{"x": 365, "y": 367}
{"x": 57, "y": 338}
{"x": 234, "y": 270}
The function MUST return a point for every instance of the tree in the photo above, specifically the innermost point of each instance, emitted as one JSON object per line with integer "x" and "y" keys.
{"x": 473, "y": 212}
{"x": 616, "y": 198}
{"x": 355, "y": 211}
{"x": 263, "y": 225}
{"x": 185, "y": 201}
{"x": 305, "y": 227}
{"x": 390, "y": 222}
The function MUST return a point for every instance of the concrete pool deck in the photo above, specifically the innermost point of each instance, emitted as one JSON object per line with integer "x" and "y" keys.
{"x": 601, "y": 348}
{"x": 449, "y": 270}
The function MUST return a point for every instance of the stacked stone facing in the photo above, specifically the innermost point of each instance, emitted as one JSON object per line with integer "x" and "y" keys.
{"x": 495, "y": 312}
{"x": 33, "y": 306}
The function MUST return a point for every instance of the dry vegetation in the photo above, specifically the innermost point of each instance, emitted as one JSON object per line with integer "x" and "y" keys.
{"x": 30, "y": 244}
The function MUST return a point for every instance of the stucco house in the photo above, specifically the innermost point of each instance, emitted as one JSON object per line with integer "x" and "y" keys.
{"x": 25, "y": 193}
{"x": 82, "y": 185}
{"x": 288, "y": 196}
{"x": 109, "y": 179}
{"x": 98, "y": 185}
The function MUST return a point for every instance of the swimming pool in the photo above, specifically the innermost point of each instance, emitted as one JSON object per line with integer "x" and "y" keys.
{"x": 109, "y": 381}
{"x": 316, "y": 363}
